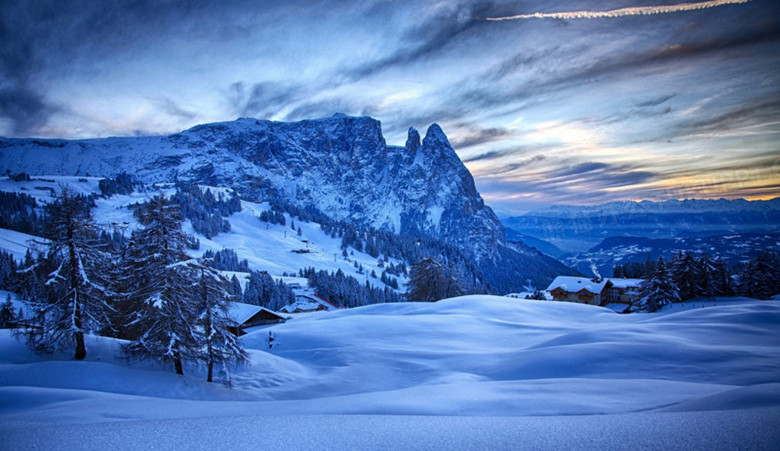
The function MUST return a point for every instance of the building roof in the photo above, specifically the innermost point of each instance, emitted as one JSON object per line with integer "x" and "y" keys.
{"x": 241, "y": 313}
{"x": 576, "y": 284}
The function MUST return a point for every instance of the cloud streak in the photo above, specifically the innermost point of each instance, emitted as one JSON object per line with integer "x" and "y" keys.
{"x": 622, "y": 12}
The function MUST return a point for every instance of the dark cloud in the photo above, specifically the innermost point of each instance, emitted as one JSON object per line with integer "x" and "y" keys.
{"x": 584, "y": 177}
{"x": 491, "y": 155}
{"x": 759, "y": 112}
{"x": 656, "y": 101}
{"x": 26, "y": 109}
{"x": 525, "y": 59}
{"x": 428, "y": 39}
{"x": 261, "y": 100}
{"x": 481, "y": 136}
{"x": 496, "y": 154}
{"x": 321, "y": 108}
{"x": 171, "y": 108}
{"x": 504, "y": 170}
{"x": 558, "y": 69}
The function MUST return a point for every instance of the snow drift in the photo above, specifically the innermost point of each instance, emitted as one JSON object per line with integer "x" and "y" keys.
{"x": 468, "y": 357}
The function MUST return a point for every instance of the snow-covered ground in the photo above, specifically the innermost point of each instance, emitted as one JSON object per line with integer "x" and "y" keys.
{"x": 476, "y": 372}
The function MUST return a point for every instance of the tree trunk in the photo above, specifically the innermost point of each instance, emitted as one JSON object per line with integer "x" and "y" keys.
{"x": 177, "y": 362}
{"x": 81, "y": 350}
{"x": 211, "y": 371}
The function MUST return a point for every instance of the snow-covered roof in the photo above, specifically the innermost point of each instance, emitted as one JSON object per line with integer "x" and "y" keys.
{"x": 575, "y": 284}
{"x": 309, "y": 302}
{"x": 240, "y": 312}
{"x": 626, "y": 283}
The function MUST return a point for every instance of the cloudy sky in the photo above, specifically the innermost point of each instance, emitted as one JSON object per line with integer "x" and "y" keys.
{"x": 574, "y": 102}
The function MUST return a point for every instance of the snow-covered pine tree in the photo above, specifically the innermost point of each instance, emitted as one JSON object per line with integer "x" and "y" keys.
{"x": 706, "y": 281}
{"x": 165, "y": 323}
{"x": 659, "y": 290}
{"x": 721, "y": 278}
{"x": 685, "y": 274}
{"x": 221, "y": 346}
{"x": 235, "y": 287}
{"x": 75, "y": 290}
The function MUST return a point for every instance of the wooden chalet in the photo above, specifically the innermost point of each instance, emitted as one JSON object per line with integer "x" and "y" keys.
{"x": 617, "y": 294}
{"x": 247, "y": 315}
{"x": 579, "y": 289}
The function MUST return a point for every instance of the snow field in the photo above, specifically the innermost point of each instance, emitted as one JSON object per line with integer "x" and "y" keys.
{"x": 466, "y": 364}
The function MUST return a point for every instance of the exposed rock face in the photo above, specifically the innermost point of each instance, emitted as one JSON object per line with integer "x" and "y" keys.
{"x": 339, "y": 165}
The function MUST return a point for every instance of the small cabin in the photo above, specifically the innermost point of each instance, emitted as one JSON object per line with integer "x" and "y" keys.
{"x": 247, "y": 315}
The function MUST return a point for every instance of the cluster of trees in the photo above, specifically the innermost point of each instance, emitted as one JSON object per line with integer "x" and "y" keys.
{"x": 20, "y": 212}
{"x": 346, "y": 290}
{"x": 123, "y": 183}
{"x": 8, "y": 269}
{"x": 8, "y": 319}
{"x": 226, "y": 260}
{"x": 261, "y": 289}
{"x": 431, "y": 279}
{"x": 634, "y": 270}
{"x": 273, "y": 217}
{"x": 205, "y": 210}
{"x": 168, "y": 306}
{"x": 700, "y": 277}
{"x": 390, "y": 281}
{"x": 686, "y": 277}
{"x": 760, "y": 277}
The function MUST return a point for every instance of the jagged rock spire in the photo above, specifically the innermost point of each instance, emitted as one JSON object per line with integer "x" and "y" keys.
{"x": 413, "y": 141}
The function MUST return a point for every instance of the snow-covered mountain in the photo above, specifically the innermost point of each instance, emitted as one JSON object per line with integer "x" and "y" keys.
{"x": 576, "y": 229}
{"x": 339, "y": 166}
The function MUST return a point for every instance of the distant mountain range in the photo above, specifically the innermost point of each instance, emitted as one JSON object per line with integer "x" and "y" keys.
{"x": 340, "y": 167}
{"x": 619, "y": 232}
{"x": 577, "y": 229}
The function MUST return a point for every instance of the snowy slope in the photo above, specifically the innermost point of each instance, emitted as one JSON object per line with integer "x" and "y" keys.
{"x": 472, "y": 356}
{"x": 267, "y": 247}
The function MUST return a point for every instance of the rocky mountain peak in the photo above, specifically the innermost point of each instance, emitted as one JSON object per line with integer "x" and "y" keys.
{"x": 340, "y": 166}
{"x": 413, "y": 140}
{"x": 435, "y": 137}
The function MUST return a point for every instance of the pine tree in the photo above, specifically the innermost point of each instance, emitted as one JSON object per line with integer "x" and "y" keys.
{"x": 721, "y": 278}
{"x": 166, "y": 312}
{"x": 221, "y": 345}
{"x": 235, "y": 287}
{"x": 706, "y": 281}
{"x": 75, "y": 291}
{"x": 685, "y": 274}
{"x": 659, "y": 290}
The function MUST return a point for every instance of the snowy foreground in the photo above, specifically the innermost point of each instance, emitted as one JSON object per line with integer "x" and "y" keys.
{"x": 476, "y": 372}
